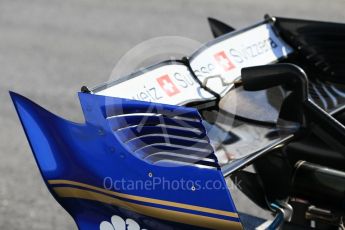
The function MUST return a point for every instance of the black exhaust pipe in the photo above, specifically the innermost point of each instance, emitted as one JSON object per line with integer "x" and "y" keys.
{"x": 321, "y": 186}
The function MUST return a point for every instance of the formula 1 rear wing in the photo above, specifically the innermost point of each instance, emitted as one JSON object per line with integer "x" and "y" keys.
{"x": 204, "y": 79}
{"x": 139, "y": 129}
{"x": 208, "y": 72}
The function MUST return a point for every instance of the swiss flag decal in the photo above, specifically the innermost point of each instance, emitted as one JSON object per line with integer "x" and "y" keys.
{"x": 224, "y": 61}
{"x": 167, "y": 85}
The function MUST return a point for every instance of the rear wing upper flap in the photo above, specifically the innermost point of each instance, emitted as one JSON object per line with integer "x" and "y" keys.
{"x": 209, "y": 71}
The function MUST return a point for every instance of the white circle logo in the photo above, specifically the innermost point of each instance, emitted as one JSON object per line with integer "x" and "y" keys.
{"x": 117, "y": 223}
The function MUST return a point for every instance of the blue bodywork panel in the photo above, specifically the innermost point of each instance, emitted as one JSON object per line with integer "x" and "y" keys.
{"x": 131, "y": 165}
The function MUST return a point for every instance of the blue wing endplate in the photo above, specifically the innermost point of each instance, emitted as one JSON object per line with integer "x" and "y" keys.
{"x": 132, "y": 164}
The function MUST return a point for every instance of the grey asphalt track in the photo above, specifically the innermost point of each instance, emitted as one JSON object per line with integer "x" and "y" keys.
{"x": 48, "y": 49}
